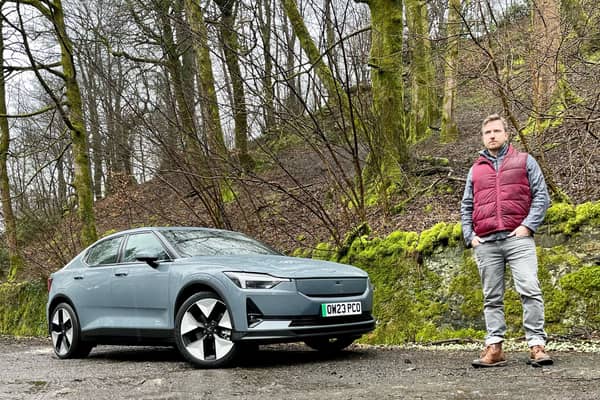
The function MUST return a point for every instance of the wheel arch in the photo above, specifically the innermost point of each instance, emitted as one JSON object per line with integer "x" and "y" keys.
{"x": 60, "y": 298}
{"x": 192, "y": 288}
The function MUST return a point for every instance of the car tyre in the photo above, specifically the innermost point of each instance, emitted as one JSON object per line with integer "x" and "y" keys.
{"x": 66, "y": 333}
{"x": 330, "y": 344}
{"x": 203, "y": 331}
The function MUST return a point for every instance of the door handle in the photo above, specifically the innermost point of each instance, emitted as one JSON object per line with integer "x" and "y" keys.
{"x": 78, "y": 277}
{"x": 121, "y": 273}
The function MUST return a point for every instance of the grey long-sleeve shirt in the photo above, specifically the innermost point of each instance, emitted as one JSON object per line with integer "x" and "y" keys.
{"x": 540, "y": 200}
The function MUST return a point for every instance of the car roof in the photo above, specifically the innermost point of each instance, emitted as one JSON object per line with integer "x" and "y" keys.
{"x": 167, "y": 228}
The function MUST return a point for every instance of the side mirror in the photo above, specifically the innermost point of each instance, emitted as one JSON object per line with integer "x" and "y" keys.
{"x": 150, "y": 258}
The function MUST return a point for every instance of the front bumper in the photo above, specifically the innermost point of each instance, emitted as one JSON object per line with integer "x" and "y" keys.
{"x": 296, "y": 329}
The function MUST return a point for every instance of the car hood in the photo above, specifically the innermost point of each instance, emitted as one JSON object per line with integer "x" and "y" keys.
{"x": 280, "y": 266}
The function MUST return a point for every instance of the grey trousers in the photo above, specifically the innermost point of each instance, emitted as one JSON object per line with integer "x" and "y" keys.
{"x": 520, "y": 254}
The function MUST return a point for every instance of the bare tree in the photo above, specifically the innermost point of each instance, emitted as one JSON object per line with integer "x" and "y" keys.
{"x": 423, "y": 94}
{"x": 448, "y": 128}
{"x": 231, "y": 49}
{"x": 71, "y": 112}
{"x": 10, "y": 226}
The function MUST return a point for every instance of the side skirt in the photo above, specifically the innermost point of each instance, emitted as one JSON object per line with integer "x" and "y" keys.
{"x": 130, "y": 337}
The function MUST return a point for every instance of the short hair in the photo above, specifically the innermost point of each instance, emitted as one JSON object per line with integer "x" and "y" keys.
{"x": 494, "y": 117}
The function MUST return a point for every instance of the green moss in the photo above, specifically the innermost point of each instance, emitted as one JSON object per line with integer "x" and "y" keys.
{"x": 227, "y": 193}
{"x": 465, "y": 295}
{"x": 4, "y": 260}
{"x": 440, "y": 234}
{"x": 23, "y": 311}
{"x": 582, "y": 289}
{"x": 594, "y": 57}
{"x": 566, "y": 218}
{"x": 518, "y": 61}
{"x": 359, "y": 231}
{"x": 559, "y": 213}
{"x": 302, "y": 253}
{"x": 324, "y": 251}
{"x": 586, "y": 213}
{"x": 406, "y": 299}
{"x": 109, "y": 232}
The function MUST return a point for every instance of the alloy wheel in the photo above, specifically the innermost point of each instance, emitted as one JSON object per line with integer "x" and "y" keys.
{"x": 205, "y": 330}
{"x": 62, "y": 331}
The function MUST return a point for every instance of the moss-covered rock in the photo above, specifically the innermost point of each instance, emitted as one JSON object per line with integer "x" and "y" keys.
{"x": 428, "y": 287}
{"x": 582, "y": 297}
{"x": 23, "y": 311}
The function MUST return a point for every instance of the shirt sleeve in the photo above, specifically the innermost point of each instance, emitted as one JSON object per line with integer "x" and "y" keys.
{"x": 466, "y": 210}
{"x": 540, "y": 199}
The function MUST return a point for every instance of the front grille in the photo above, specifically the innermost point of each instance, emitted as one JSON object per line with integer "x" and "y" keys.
{"x": 332, "y": 287}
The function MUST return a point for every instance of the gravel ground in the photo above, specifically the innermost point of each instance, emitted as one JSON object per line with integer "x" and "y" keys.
{"x": 29, "y": 370}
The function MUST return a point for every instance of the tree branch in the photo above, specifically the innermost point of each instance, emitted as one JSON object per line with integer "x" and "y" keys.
{"x": 32, "y": 114}
{"x": 41, "y": 80}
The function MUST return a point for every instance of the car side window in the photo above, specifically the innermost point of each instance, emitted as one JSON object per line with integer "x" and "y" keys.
{"x": 105, "y": 252}
{"x": 143, "y": 243}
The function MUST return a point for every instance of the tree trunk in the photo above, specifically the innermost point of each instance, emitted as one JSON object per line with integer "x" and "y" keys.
{"x": 312, "y": 52}
{"x": 547, "y": 94}
{"x": 292, "y": 102}
{"x": 169, "y": 132}
{"x": 332, "y": 55}
{"x": 216, "y": 150}
{"x": 97, "y": 148}
{"x": 83, "y": 178}
{"x": 174, "y": 67}
{"x": 545, "y": 46}
{"x": 449, "y": 130}
{"x": 390, "y": 142}
{"x": 267, "y": 80}
{"x": 231, "y": 46}
{"x": 583, "y": 23}
{"x": 424, "y": 103}
{"x": 61, "y": 196}
{"x": 206, "y": 80}
{"x": 10, "y": 225}
{"x": 185, "y": 52}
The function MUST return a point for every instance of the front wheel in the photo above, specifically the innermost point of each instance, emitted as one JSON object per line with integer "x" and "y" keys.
{"x": 66, "y": 334}
{"x": 203, "y": 331}
{"x": 330, "y": 344}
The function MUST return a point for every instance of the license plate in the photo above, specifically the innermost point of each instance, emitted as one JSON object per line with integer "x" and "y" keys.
{"x": 341, "y": 309}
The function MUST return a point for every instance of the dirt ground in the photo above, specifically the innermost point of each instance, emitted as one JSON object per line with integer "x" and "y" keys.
{"x": 29, "y": 370}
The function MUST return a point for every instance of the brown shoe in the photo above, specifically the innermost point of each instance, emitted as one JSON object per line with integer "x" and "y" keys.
{"x": 491, "y": 356}
{"x": 538, "y": 356}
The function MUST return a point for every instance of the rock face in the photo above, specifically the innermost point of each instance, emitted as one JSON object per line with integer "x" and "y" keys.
{"x": 569, "y": 271}
{"x": 428, "y": 287}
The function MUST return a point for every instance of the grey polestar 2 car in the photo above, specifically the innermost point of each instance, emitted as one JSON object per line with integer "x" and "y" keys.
{"x": 209, "y": 292}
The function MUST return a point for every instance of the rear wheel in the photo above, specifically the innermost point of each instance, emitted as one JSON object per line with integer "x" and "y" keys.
{"x": 66, "y": 334}
{"x": 203, "y": 331}
{"x": 330, "y": 344}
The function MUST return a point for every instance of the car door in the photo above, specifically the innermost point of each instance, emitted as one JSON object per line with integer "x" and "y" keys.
{"x": 90, "y": 287}
{"x": 140, "y": 292}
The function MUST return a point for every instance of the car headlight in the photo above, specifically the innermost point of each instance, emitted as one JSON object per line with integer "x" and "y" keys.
{"x": 247, "y": 280}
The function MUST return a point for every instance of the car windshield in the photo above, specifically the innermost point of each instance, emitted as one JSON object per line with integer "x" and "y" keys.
{"x": 190, "y": 243}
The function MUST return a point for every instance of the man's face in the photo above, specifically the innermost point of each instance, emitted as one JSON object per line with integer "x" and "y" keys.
{"x": 494, "y": 136}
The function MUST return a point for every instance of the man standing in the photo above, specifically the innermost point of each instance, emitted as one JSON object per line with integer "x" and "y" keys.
{"x": 504, "y": 202}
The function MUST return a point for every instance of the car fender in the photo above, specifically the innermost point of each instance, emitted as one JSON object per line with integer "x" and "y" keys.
{"x": 202, "y": 279}
{"x": 58, "y": 298}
